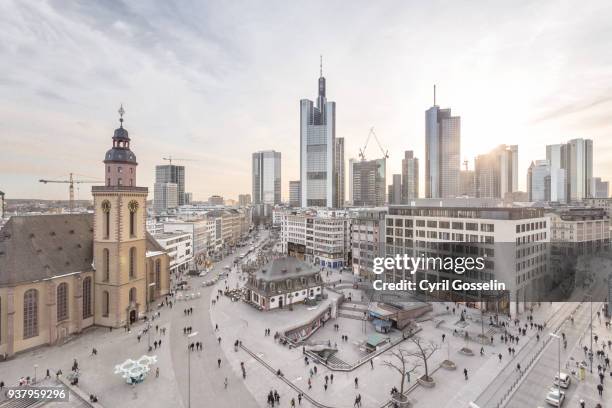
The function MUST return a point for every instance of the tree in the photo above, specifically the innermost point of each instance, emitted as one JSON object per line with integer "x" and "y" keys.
{"x": 403, "y": 365}
{"x": 424, "y": 352}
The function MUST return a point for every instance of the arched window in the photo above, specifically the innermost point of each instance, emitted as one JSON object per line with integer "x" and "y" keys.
{"x": 87, "y": 298}
{"x": 106, "y": 207}
{"x": 133, "y": 208}
{"x": 62, "y": 301}
{"x": 106, "y": 264}
{"x": 105, "y": 303}
{"x": 132, "y": 262}
{"x": 133, "y": 295}
{"x": 30, "y": 313}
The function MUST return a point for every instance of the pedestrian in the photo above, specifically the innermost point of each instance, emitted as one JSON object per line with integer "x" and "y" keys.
{"x": 218, "y": 363}
{"x": 356, "y": 382}
{"x": 331, "y": 378}
{"x": 292, "y": 402}
{"x": 443, "y": 336}
{"x": 500, "y": 357}
{"x": 465, "y": 373}
{"x": 309, "y": 384}
{"x": 600, "y": 389}
{"x": 157, "y": 372}
{"x": 325, "y": 386}
{"x": 300, "y": 399}
{"x": 518, "y": 367}
{"x": 372, "y": 363}
{"x": 225, "y": 383}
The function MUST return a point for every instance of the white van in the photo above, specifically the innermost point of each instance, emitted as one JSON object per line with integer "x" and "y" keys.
{"x": 566, "y": 380}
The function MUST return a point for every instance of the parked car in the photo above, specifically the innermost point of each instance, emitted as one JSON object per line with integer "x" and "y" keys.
{"x": 566, "y": 380}
{"x": 554, "y": 397}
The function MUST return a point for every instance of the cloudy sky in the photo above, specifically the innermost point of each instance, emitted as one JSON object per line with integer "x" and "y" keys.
{"x": 216, "y": 81}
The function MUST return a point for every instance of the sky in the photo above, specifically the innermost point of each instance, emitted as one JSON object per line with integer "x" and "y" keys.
{"x": 215, "y": 81}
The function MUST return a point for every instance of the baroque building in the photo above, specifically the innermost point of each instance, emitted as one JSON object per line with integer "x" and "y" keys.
{"x": 60, "y": 274}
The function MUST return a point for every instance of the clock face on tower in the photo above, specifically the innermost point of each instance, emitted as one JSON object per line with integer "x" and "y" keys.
{"x": 133, "y": 206}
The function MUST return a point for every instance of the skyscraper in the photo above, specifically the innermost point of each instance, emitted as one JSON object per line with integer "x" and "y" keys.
{"x": 538, "y": 181}
{"x": 267, "y": 177}
{"x": 294, "y": 193}
{"x": 317, "y": 145}
{"x": 339, "y": 170}
{"x": 395, "y": 190}
{"x": 368, "y": 180}
{"x": 497, "y": 172}
{"x": 600, "y": 189}
{"x": 442, "y": 152}
{"x": 170, "y": 173}
{"x": 244, "y": 200}
{"x": 410, "y": 177}
{"x": 572, "y": 161}
{"x": 165, "y": 196}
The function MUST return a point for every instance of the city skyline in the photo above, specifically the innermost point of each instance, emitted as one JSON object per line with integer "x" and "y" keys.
{"x": 544, "y": 67}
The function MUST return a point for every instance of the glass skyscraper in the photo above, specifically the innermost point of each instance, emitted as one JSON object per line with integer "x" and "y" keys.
{"x": 267, "y": 177}
{"x": 442, "y": 153}
{"x": 318, "y": 176}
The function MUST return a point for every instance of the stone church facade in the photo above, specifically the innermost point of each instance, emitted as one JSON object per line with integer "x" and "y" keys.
{"x": 60, "y": 274}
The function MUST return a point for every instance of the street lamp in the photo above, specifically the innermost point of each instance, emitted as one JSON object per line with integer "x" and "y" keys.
{"x": 556, "y": 336}
{"x": 189, "y": 370}
{"x": 590, "y": 295}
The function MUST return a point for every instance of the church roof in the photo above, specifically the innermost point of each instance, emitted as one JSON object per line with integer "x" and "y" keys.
{"x": 40, "y": 247}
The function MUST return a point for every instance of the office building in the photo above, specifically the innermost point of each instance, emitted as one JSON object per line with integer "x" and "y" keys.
{"x": 496, "y": 173}
{"x": 600, "y": 189}
{"x": 321, "y": 238}
{"x": 410, "y": 177}
{"x": 317, "y": 150}
{"x": 244, "y": 200}
{"x": 395, "y": 190}
{"x": 442, "y": 152}
{"x": 367, "y": 240}
{"x": 216, "y": 200}
{"x": 571, "y": 168}
{"x": 538, "y": 181}
{"x": 339, "y": 169}
{"x": 467, "y": 183}
{"x": 266, "y": 177}
{"x": 294, "y": 193}
{"x": 171, "y": 173}
{"x": 188, "y": 198}
{"x": 165, "y": 197}
{"x": 368, "y": 182}
{"x": 179, "y": 247}
{"x": 510, "y": 238}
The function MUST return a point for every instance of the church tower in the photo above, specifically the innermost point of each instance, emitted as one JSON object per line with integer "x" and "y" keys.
{"x": 119, "y": 237}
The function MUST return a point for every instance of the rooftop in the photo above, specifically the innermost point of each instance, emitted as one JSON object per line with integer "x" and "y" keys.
{"x": 282, "y": 268}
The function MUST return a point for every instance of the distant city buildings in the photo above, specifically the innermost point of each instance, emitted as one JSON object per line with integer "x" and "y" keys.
{"x": 169, "y": 187}
{"x": 410, "y": 177}
{"x": 395, "y": 190}
{"x": 318, "y": 173}
{"x": 368, "y": 182}
{"x": 600, "y": 189}
{"x": 571, "y": 170}
{"x": 467, "y": 183}
{"x": 179, "y": 247}
{"x": 538, "y": 181}
{"x": 266, "y": 172}
{"x": 339, "y": 171}
{"x": 442, "y": 152}
{"x": 216, "y": 200}
{"x": 295, "y": 194}
{"x": 496, "y": 173}
{"x": 244, "y": 200}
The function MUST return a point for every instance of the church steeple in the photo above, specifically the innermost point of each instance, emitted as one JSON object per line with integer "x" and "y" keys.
{"x": 120, "y": 161}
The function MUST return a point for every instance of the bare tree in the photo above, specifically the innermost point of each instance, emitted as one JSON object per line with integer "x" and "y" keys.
{"x": 404, "y": 365}
{"x": 424, "y": 352}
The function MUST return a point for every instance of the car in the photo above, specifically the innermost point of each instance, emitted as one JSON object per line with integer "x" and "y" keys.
{"x": 555, "y": 398}
{"x": 566, "y": 380}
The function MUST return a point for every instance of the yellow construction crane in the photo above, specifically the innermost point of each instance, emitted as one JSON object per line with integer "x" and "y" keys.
{"x": 385, "y": 153}
{"x": 71, "y": 182}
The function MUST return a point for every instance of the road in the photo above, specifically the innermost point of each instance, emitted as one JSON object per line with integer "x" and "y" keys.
{"x": 539, "y": 379}
{"x": 207, "y": 388}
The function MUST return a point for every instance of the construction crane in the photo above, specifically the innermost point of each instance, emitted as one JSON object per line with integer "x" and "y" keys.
{"x": 71, "y": 182}
{"x": 170, "y": 158}
{"x": 385, "y": 153}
